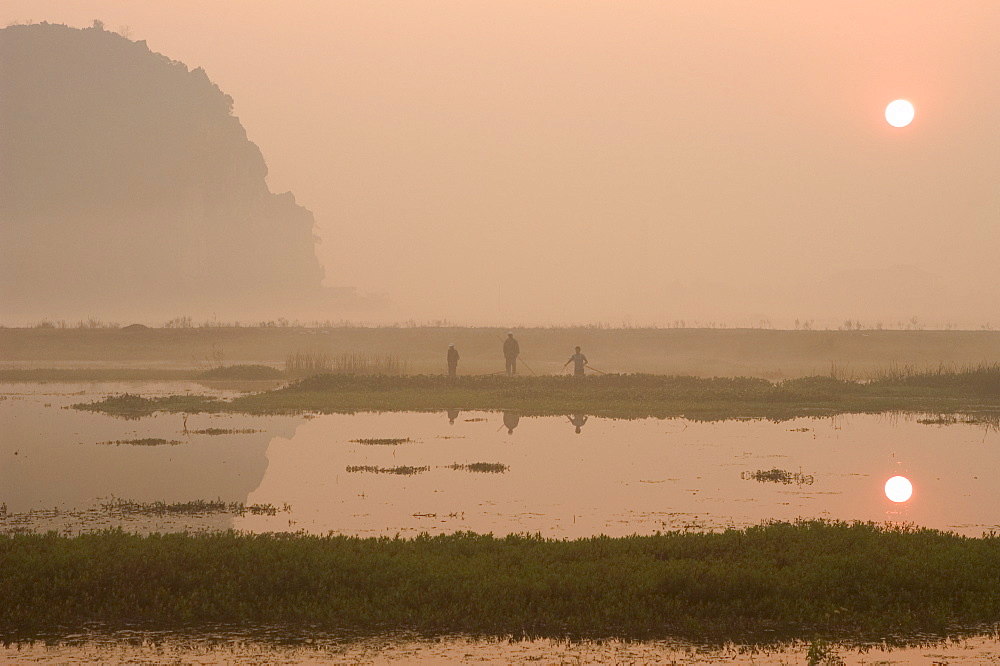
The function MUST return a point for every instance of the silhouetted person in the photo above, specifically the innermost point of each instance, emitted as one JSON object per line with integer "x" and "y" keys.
{"x": 452, "y": 415}
{"x": 579, "y": 361}
{"x": 579, "y": 420}
{"x": 510, "y": 420}
{"x": 510, "y": 352}
{"x": 452, "y": 360}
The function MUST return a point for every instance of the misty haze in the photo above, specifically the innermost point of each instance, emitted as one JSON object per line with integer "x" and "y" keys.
{"x": 445, "y": 331}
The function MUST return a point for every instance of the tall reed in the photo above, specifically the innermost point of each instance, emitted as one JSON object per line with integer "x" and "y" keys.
{"x": 348, "y": 363}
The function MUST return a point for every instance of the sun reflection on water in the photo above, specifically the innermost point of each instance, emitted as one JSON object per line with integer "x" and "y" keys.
{"x": 898, "y": 489}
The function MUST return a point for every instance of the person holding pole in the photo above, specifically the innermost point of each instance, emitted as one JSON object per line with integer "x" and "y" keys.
{"x": 579, "y": 361}
{"x": 452, "y": 360}
{"x": 511, "y": 350}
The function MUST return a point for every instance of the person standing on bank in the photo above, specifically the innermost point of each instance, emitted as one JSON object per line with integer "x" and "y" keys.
{"x": 452, "y": 360}
{"x": 511, "y": 350}
{"x": 579, "y": 361}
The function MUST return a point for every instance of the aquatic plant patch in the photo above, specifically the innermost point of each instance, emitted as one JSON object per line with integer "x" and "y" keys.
{"x": 382, "y": 441}
{"x": 489, "y": 468}
{"x": 223, "y": 431}
{"x": 405, "y": 470}
{"x": 776, "y": 475}
{"x": 147, "y": 441}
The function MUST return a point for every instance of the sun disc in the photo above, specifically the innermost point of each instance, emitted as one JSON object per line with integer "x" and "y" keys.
{"x": 899, "y": 113}
{"x": 898, "y": 489}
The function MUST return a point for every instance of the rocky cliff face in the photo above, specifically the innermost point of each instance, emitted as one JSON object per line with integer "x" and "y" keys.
{"x": 127, "y": 186}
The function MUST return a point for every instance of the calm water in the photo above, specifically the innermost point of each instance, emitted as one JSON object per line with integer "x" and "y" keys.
{"x": 611, "y": 477}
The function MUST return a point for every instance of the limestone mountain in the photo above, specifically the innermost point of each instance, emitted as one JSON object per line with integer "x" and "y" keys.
{"x": 128, "y": 186}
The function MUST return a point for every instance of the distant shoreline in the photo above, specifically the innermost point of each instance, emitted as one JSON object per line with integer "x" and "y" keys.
{"x": 768, "y": 354}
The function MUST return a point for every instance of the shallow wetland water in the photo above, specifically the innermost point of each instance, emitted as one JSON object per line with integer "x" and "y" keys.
{"x": 563, "y": 477}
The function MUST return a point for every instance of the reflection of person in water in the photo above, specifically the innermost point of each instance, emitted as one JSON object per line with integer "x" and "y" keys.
{"x": 579, "y": 420}
{"x": 510, "y": 420}
{"x": 452, "y": 415}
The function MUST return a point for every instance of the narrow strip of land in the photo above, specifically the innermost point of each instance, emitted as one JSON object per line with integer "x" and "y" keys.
{"x": 621, "y": 396}
{"x": 762, "y": 583}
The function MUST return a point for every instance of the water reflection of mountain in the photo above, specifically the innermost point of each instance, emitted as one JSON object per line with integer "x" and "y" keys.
{"x": 53, "y": 457}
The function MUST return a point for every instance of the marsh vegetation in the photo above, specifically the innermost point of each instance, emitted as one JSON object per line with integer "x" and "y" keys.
{"x": 769, "y": 582}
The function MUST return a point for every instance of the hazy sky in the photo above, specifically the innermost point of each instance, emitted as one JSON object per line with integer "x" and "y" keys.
{"x": 578, "y": 161}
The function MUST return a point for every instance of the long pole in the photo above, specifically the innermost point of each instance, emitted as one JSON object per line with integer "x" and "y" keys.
{"x": 596, "y": 370}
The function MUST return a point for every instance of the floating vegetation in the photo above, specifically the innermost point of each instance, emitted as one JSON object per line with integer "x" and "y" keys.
{"x": 489, "y": 468}
{"x": 475, "y": 420}
{"x": 778, "y": 476}
{"x": 405, "y": 470}
{"x": 132, "y": 406}
{"x": 123, "y": 507}
{"x": 224, "y": 431}
{"x": 382, "y": 441}
{"x": 799, "y": 429}
{"x": 147, "y": 441}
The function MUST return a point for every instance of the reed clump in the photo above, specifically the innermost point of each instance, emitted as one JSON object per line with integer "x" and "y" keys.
{"x": 242, "y": 372}
{"x": 348, "y": 363}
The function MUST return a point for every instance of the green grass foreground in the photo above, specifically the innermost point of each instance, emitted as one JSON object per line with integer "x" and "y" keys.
{"x": 776, "y": 581}
{"x": 627, "y": 396}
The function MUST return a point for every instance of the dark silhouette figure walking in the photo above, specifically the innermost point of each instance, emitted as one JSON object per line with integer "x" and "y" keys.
{"x": 452, "y": 360}
{"x": 579, "y": 420}
{"x": 579, "y": 361}
{"x": 510, "y": 421}
{"x": 511, "y": 350}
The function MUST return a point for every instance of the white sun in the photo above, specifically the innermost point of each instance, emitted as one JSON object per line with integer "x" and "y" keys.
{"x": 898, "y": 489}
{"x": 899, "y": 113}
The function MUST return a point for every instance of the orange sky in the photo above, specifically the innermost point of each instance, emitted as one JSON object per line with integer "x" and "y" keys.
{"x": 556, "y": 162}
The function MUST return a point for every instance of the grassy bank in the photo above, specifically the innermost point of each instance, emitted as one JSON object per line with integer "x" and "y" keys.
{"x": 762, "y": 583}
{"x": 627, "y": 396}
